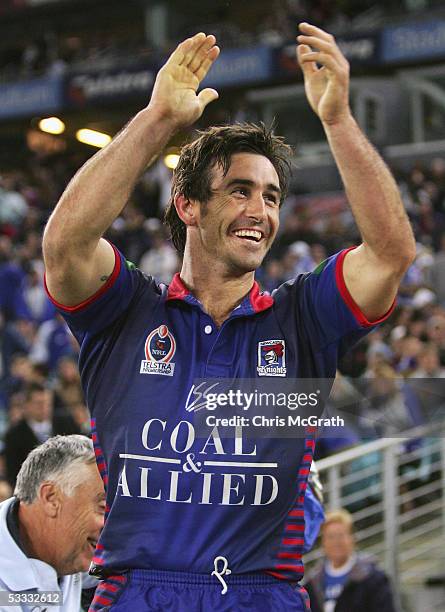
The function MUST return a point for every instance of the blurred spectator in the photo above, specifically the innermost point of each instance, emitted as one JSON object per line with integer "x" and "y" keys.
{"x": 413, "y": 286}
{"x": 436, "y": 273}
{"x": 81, "y": 416}
{"x": 303, "y": 258}
{"x": 53, "y": 341}
{"x": 417, "y": 323}
{"x": 129, "y": 234}
{"x": 345, "y": 580}
{"x": 318, "y": 253}
{"x": 67, "y": 387}
{"x": 435, "y": 329}
{"x": 12, "y": 275}
{"x": 388, "y": 410}
{"x": 5, "y": 490}
{"x": 289, "y": 262}
{"x": 13, "y": 206}
{"x": 16, "y": 408}
{"x": 378, "y": 351}
{"x": 39, "y": 424}
{"x": 21, "y": 374}
{"x": 271, "y": 32}
{"x": 344, "y": 401}
{"x": 161, "y": 260}
{"x": 410, "y": 349}
{"x": 153, "y": 191}
{"x": 429, "y": 363}
{"x": 34, "y": 295}
{"x": 272, "y": 275}
{"x": 2, "y": 466}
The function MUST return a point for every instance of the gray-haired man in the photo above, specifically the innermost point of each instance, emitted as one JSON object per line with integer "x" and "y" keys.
{"x": 49, "y": 529}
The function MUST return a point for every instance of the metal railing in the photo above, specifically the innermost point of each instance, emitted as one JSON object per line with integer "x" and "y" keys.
{"x": 397, "y": 499}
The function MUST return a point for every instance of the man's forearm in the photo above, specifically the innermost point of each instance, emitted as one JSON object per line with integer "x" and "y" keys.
{"x": 77, "y": 261}
{"x": 102, "y": 187}
{"x": 372, "y": 192}
{"x": 373, "y": 271}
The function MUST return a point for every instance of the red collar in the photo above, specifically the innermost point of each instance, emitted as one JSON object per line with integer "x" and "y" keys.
{"x": 176, "y": 289}
{"x": 255, "y": 301}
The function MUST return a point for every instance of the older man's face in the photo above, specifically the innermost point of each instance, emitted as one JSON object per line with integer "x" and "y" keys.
{"x": 81, "y": 520}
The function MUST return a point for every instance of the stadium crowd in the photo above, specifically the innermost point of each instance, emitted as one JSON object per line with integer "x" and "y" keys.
{"x": 38, "y": 354}
{"x": 55, "y": 50}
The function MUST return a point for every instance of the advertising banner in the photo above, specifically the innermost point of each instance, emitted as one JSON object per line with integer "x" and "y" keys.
{"x": 83, "y": 89}
{"x": 414, "y": 41}
{"x": 11, "y": 5}
{"x": 32, "y": 97}
{"x": 241, "y": 66}
{"x": 359, "y": 50}
{"x": 234, "y": 67}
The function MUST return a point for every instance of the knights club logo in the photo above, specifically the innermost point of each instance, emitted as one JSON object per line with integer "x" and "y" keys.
{"x": 160, "y": 346}
{"x": 271, "y": 358}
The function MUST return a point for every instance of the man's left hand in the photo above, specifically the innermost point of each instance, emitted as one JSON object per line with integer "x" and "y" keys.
{"x": 327, "y": 86}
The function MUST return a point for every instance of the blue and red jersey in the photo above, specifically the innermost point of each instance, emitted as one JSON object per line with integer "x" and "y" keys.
{"x": 176, "y": 501}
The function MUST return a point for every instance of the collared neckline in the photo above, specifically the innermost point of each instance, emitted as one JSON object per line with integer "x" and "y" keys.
{"x": 255, "y": 301}
{"x": 33, "y": 574}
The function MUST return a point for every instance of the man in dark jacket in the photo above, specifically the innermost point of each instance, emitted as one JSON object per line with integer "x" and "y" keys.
{"x": 38, "y": 424}
{"x": 346, "y": 580}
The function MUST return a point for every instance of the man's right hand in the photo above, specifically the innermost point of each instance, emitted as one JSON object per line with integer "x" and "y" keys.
{"x": 78, "y": 262}
{"x": 174, "y": 94}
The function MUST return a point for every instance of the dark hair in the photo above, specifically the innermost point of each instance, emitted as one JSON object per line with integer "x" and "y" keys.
{"x": 32, "y": 388}
{"x": 213, "y": 146}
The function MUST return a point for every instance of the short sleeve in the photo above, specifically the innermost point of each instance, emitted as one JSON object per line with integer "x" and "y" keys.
{"x": 333, "y": 308}
{"x": 106, "y": 305}
{"x": 322, "y": 304}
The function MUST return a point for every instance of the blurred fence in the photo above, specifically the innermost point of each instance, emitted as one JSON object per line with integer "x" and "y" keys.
{"x": 395, "y": 490}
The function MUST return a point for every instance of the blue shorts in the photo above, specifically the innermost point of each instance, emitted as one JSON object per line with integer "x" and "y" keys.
{"x": 162, "y": 591}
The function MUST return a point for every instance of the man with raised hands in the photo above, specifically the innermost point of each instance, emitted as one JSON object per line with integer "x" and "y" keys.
{"x": 214, "y": 523}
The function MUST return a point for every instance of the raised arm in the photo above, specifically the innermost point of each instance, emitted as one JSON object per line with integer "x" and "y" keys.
{"x": 373, "y": 271}
{"x": 78, "y": 261}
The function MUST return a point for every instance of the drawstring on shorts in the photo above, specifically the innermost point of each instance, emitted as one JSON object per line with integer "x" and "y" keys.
{"x": 219, "y": 574}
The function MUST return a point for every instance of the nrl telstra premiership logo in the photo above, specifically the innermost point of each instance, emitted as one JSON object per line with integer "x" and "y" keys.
{"x": 160, "y": 347}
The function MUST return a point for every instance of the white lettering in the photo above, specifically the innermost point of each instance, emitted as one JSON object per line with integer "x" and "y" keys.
{"x": 214, "y": 435}
{"x": 206, "y": 487}
{"x": 123, "y": 483}
{"x": 144, "y": 484}
{"x": 190, "y": 437}
{"x": 174, "y": 489}
{"x": 145, "y": 434}
{"x": 259, "y": 490}
{"x": 228, "y": 488}
{"x": 248, "y": 398}
{"x": 239, "y": 443}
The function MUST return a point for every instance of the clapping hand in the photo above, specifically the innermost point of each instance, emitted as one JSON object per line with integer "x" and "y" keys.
{"x": 326, "y": 85}
{"x": 175, "y": 90}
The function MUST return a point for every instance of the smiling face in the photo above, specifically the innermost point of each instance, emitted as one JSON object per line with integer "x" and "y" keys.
{"x": 237, "y": 225}
{"x": 81, "y": 520}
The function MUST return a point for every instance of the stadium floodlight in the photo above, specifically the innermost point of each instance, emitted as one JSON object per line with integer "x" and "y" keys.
{"x": 171, "y": 160}
{"x": 52, "y": 125}
{"x": 93, "y": 138}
